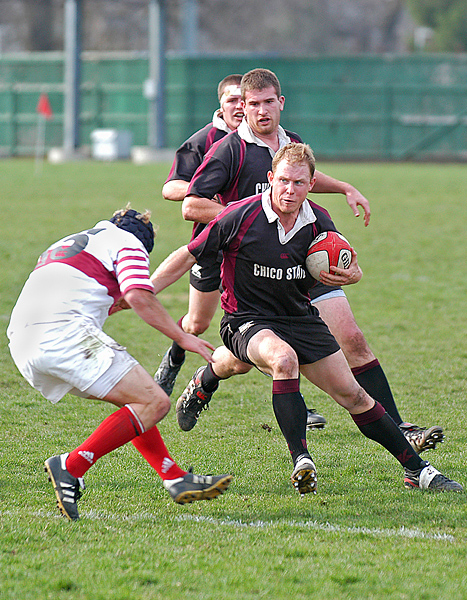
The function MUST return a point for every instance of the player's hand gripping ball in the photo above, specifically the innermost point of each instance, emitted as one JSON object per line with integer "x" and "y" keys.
{"x": 328, "y": 249}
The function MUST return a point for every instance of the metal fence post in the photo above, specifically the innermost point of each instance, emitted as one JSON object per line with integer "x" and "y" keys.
{"x": 155, "y": 91}
{"x": 73, "y": 16}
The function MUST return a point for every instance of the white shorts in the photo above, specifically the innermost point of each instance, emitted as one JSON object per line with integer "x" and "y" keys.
{"x": 333, "y": 294}
{"x": 70, "y": 357}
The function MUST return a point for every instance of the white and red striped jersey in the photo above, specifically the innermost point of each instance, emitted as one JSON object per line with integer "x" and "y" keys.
{"x": 84, "y": 274}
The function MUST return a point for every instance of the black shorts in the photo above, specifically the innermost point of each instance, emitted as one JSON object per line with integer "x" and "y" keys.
{"x": 206, "y": 279}
{"x": 309, "y": 335}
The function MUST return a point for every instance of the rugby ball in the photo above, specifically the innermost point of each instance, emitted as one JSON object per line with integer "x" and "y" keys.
{"x": 328, "y": 249}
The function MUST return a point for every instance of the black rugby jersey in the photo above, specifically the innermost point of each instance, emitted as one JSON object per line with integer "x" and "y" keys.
{"x": 191, "y": 153}
{"x": 234, "y": 169}
{"x": 260, "y": 275}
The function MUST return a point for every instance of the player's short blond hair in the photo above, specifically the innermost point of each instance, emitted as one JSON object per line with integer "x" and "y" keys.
{"x": 295, "y": 154}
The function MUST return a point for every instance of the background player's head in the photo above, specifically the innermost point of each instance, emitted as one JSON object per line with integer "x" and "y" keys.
{"x": 138, "y": 224}
{"x": 262, "y": 102}
{"x": 229, "y": 94}
{"x": 231, "y": 81}
{"x": 260, "y": 79}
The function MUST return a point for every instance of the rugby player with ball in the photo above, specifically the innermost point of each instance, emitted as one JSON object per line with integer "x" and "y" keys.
{"x": 270, "y": 324}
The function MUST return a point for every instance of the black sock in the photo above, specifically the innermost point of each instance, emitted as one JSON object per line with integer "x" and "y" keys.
{"x": 209, "y": 380}
{"x": 290, "y": 411}
{"x": 373, "y": 380}
{"x": 377, "y": 425}
{"x": 177, "y": 354}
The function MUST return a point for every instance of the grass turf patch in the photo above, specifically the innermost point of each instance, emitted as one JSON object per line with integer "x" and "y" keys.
{"x": 362, "y": 535}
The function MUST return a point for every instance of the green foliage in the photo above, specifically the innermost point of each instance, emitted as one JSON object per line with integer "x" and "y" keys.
{"x": 447, "y": 18}
{"x": 362, "y": 536}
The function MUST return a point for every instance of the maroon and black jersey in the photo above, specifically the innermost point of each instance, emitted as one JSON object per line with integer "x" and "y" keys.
{"x": 191, "y": 153}
{"x": 234, "y": 168}
{"x": 261, "y": 276}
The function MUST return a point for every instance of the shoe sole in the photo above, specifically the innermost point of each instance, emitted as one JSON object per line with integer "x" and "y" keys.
{"x": 305, "y": 481}
{"x": 432, "y": 436}
{"x": 60, "y": 504}
{"x": 315, "y": 426}
{"x": 207, "y": 494}
{"x": 454, "y": 488}
{"x": 410, "y": 485}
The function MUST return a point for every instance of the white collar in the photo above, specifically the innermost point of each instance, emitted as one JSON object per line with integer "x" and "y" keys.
{"x": 305, "y": 216}
{"x": 218, "y": 122}
{"x": 246, "y": 133}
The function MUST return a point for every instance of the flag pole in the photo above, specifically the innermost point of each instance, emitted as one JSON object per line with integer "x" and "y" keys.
{"x": 40, "y": 142}
{"x": 44, "y": 112}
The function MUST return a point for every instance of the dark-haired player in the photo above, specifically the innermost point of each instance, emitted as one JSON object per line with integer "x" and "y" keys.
{"x": 191, "y": 153}
{"x": 270, "y": 323}
{"x": 58, "y": 345}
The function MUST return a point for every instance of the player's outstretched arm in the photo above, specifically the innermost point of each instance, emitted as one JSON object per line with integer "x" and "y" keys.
{"x": 343, "y": 276}
{"x": 328, "y": 185}
{"x": 148, "y": 307}
{"x": 172, "y": 268}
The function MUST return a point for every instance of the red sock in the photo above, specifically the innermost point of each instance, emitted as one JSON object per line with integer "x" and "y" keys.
{"x": 116, "y": 430}
{"x": 152, "y": 447}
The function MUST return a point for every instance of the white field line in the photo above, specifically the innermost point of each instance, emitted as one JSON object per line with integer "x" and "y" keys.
{"x": 401, "y": 532}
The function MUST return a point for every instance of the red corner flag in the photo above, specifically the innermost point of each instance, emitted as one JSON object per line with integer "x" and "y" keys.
{"x": 43, "y": 106}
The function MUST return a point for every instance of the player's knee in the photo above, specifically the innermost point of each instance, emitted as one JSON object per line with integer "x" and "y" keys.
{"x": 159, "y": 406}
{"x": 285, "y": 365}
{"x": 357, "y": 398}
{"x": 240, "y": 368}
{"x": 196, "y": 325}
{"x": 354, "y": 345}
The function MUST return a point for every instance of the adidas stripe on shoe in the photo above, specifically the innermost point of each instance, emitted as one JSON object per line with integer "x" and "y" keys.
{"x": 67, "y": 487}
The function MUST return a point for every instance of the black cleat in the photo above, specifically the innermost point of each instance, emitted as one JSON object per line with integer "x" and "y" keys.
{"x": 421, "y": 438}
{"x": 167, "y": 373}
{"x": 67, "y": 487}
{"x": 431, "y": 479}
{"x": 314, "y": 420}
{"x": 191, "y": 488}
{"x": 304, "y": 478}
{"x": 192, "y": 401}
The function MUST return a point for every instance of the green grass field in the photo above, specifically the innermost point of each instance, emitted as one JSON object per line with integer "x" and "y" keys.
{"x": 362, "y": 536}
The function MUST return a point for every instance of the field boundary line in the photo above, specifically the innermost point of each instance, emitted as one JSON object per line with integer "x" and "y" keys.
{"x": 400, "y": 532}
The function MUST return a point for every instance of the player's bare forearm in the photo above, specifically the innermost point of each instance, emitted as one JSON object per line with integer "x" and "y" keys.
{"x": 175, "y": 190}
{"x": 148, "y": 307}
{"x": 340, "y": 276}
{"x": 200, "y": 210}
{"x": 172, "y": 268}
{"x": 328, "y": 185}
